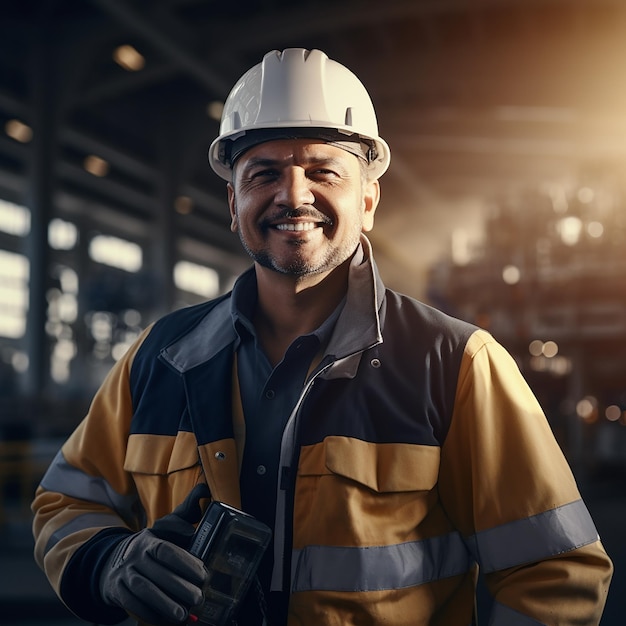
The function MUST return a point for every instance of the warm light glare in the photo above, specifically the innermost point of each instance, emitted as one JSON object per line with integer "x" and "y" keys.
{"x": 613, "y": 413}
{"x": 570, "y": 229}
{"x": 557, "y": 366}
{"x": 511, "y": 275}
{"x": 587, "y": 409}
{"x": 183, "y": 205}
{"x": 18, "y": 130}
{"x": 558, "y": 196}
{"x": 550, "y": 349}
{"x": 560, "y": 366}
{"x": 461, "y": 252}
{"x": 95, "y": 165}
{"x": 214, "y": 110}
{"x": 127, "y": 57}
{"x": 536, "y": 347}
{"x": 595, "y": 229}
{"x": 551, "y": 115}
{"x": 585, "y": 195}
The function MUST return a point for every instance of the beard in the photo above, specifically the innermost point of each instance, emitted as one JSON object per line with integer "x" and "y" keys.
{"x": 299, "y": 261}
{"x": 296, "y": 266}
{"x": 300, "y": 265}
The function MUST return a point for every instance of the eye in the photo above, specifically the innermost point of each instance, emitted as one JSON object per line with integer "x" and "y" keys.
{"x": 263, "y": 173}
{"x": 323, "y": 173}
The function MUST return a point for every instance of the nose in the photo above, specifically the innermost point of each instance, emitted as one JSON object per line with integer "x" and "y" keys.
{"x": 294, "y": 189}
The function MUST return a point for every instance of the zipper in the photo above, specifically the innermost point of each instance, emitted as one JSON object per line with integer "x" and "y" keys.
{"x": 282, "y": 575}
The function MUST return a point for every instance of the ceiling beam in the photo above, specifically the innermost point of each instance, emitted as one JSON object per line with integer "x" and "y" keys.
{"x": 173, "y": 49}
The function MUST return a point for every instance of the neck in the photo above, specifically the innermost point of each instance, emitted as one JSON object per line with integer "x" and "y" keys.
{"x": 289, "y": 307}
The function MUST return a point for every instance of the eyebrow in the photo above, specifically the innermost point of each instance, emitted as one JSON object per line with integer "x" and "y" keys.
{"x": 270, "y": 162}
{"x": 260, "y": 161}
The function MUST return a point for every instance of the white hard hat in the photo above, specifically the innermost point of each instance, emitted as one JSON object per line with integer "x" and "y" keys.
{"x": 298, "y": 93}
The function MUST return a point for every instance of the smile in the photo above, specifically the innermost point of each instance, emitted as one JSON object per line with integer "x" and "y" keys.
{"x": 298, "y": 226}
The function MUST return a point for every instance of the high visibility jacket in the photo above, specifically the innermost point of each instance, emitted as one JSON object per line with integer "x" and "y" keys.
{"x": 415, "y": 455}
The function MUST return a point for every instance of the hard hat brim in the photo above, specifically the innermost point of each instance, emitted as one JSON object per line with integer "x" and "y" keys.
{"x": 226, "y": 149}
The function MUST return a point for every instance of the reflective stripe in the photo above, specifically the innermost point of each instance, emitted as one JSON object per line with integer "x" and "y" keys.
{"x": 504, "y": 616}
{"x": 330, "y": 568}
{"x": 535, "y": 538}
{"x": 88, "y": 520}
{"x": 64, "y": 478}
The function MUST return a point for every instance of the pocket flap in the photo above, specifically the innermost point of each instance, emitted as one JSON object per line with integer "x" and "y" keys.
{"x": 161, "y": 454}
{"x": 386, "y": 467}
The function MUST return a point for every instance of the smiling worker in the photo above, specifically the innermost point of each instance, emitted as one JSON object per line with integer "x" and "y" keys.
{"x": 394, "y": 451}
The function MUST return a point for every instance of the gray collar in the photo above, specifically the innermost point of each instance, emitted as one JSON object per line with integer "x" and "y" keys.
{"x": 357, "y": 328}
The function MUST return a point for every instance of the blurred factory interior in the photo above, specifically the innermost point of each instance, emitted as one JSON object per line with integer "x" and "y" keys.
{"x": 505, "y": 203}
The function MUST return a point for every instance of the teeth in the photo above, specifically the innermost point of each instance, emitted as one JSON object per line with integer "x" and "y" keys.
{"x": 296, "y": 226}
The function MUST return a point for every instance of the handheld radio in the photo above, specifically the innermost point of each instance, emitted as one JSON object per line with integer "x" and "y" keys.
{"x": 231, "y": 544}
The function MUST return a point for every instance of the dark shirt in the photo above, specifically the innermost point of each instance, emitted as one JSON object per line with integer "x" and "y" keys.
{"x": 268, "y": 396}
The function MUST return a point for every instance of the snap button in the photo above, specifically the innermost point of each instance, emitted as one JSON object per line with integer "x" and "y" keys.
{"x": 270, "y": 393}
{"x": 220, "y": 456}
{"x": 261, "y": 469}
{"x": 375, "y": 363}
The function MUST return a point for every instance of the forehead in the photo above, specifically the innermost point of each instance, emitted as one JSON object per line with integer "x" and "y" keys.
{"x": 296, "y": 152}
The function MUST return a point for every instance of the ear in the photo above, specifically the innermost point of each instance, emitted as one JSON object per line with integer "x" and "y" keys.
{"x": 371, "y": 198}
{"x": 232, "y": 207}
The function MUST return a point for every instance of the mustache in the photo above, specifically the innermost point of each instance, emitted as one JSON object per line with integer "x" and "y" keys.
{"x": 298, "y": 213}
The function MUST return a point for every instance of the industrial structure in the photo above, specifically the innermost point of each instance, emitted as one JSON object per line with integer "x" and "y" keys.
{"x": 505, "y": 203}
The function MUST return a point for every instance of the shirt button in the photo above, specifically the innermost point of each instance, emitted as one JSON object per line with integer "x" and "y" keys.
{"x": 261, "y": 469}
{"x": 269, "y": 394}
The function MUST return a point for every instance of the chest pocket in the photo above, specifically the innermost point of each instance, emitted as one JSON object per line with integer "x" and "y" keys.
{"x": 383, "y": 468}
{"x": 164, "y": 468}
{"x": 346, "y": 489}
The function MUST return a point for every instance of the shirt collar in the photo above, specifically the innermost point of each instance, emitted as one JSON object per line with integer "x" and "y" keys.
{"x": 243, "y": 303}
{"x": 353, "y": 326}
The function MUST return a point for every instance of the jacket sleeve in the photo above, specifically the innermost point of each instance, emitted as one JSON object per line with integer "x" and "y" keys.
{"x": 507, "y": 487}
{"x": 86, "y": 501}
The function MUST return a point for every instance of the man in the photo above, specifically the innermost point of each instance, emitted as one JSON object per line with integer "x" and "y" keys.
{"x": 392, "y": 450}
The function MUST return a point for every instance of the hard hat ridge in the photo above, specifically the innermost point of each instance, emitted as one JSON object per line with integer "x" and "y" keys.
{"x": 284, "y": 93}
{"x": 298, "y": 93}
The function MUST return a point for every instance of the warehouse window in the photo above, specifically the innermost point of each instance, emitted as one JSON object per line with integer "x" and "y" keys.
{"x": 14, "y": 219}
{"x": 197, "y": 279}
{"x": 14, "y": 274}
{"x": 116, "y": 252}
{"x": 62, "y": 235}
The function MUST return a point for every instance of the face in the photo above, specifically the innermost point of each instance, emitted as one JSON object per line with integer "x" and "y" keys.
{"x": 299, "y": 206}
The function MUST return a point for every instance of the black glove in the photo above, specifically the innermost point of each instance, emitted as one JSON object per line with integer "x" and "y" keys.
{"x": 178, "y": 527}
{"x": 150, "y": 575}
